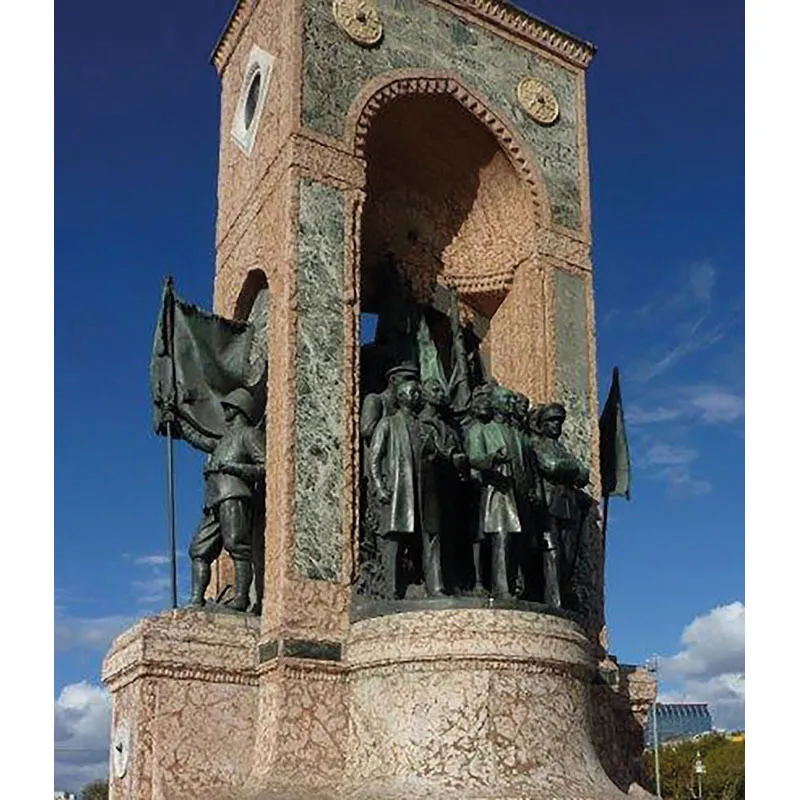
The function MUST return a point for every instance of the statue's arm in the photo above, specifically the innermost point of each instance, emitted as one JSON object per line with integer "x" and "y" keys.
{"x": 558, "y": 467}
{"x": 199, "y": 440}
{"x": 479, "y": 457}
{"x": 371, "y": 414}
{"x": 254, "y": 470}
{"x": 376, "y": 451}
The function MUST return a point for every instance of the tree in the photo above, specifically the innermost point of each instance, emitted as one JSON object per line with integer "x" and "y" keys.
{"x": 96, "y": 790}
{"x": 724, "y": 768}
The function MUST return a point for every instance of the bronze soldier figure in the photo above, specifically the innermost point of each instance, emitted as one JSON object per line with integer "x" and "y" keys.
{"x": 495, "y": 449}
{"x": 444, "y": 466}
{"x": 232, "y": 474}
{"x": 564, "y": 476}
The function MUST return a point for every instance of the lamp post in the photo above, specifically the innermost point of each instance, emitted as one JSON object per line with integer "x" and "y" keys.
{"x": 651, "y": 665}
{"x": 699, "y": 770}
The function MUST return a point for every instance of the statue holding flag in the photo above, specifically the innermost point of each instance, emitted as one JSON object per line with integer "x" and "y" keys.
{"x": 232, "y": 474}
{"x": 208, "y": 387}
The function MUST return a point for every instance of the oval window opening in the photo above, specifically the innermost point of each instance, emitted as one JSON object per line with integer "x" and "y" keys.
{"x": 252, "y": 100}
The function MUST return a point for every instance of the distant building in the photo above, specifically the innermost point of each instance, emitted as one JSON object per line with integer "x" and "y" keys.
{"x": 678, "y": 721}
{"x": 65, "y": 796}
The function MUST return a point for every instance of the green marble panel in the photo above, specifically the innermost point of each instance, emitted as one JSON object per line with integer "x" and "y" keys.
{"x": 318, "y": 487}
{"x": 572, "y": 363}
{"x": 420, "y": 35}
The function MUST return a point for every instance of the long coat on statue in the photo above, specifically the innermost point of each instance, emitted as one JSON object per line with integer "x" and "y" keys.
{"x": 499, "y": 509}
{"x": 396, "y": 459}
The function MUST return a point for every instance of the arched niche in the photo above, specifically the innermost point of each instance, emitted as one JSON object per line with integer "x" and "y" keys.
{"x": 448, "y": 209}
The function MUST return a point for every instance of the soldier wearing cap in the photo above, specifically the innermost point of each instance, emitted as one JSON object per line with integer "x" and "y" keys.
{"x": 563, "y": 477}
{"x": 232, "y": 474}
{"x": 377, "y": 406}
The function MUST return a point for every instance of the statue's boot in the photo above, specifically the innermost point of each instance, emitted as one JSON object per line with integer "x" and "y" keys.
{"x": 243, "y": 579}
{"x": 434, "y": 584}
{"x": 552, "y": 594}
{"x": 201, "y": 577}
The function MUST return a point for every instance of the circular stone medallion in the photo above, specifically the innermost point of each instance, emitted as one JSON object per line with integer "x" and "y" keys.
{"x": 359, "y": 19}
{"x": 538, "y": 100}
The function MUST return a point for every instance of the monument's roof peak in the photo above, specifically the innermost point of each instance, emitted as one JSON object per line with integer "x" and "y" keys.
{"x": 508, "y": 15}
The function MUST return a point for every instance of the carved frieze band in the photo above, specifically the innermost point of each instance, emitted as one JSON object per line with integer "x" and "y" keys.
{"x": 244, "y": 677}
{"x": 417, "y": 86}
{"x": 578, "y": 672}
{"x": 532, "y": 30}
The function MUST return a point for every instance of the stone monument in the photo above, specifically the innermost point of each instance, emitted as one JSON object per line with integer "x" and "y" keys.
{"x": 429, "y": 608}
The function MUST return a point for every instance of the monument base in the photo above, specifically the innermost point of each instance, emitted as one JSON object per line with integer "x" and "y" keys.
{"x": 185, "y": 706}
{"x": 474, "y": 704}
{"x": 483, "y": 704}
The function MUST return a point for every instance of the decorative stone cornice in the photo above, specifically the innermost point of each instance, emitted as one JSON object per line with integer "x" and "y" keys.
{"x": 535, "y": 31}
{"x": 230, "y": 34}
{"x": 178, "y": 671}
{"x": 508, "y": 16}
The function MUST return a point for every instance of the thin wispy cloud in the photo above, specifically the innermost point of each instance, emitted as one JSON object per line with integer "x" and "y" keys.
{"x": 153, "y": 590}
{"x": 672, "y": 463}
{"x": 717, "y": 405}
{"x": 670, "y": 455}
{"x": 687, "y": 320}
{"x": 155, "y": 560}
{"x": 88, "y": 633}
{"x": 708, "y": 404}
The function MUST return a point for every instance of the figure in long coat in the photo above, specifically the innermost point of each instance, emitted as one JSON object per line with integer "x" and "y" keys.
{"x": 499, "y": 520}
{"x": 399, "y": 459}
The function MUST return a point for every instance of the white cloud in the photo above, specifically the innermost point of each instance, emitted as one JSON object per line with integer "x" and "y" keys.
{"x": 702, "y": 277}
{"x": 710, "y": 667}
{"x": 716, "y": 405}
{"x": 82, "y": 735}
{"x": 682, "y": 481}
{"x": 155, "y": 560}
{"x": 91, "y": 633}
{"x": 708, "y": 404}
{"x": 153, "y": 590}
{"x": 670, "y": 455}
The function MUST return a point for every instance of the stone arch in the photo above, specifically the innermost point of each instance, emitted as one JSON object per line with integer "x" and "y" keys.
{"x": 254, "y": 283}
{"x": 453, "y": 198}
{"x": 406, "y": 83}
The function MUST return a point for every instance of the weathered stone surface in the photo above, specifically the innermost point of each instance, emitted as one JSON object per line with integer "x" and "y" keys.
{"x": 471, "y": 704}
{"x": 420, "y": 35}
{"x": 185, "y": 684}
{"x": 572, "y": 362}
{"x": 320, "y": 345}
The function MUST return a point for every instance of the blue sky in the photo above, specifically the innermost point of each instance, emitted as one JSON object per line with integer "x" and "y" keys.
{"x": 136, "y": 135}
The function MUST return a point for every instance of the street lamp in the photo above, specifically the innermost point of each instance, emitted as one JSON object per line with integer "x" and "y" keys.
{"x": 651, "y": 665}
{"x": 699, "y": 770}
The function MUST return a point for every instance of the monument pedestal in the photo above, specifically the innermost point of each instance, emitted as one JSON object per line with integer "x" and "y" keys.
{"x": 185, "y": 692}
{"x": 489, "y": 704}
{"x": 467, "y": 703}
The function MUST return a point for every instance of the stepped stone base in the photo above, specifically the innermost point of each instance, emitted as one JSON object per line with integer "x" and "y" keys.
{"x": 474, "y": 704}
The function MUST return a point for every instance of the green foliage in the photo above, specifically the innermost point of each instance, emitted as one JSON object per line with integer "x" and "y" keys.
{"x": 96, "y": 790}
{"x": 722, "y": 758}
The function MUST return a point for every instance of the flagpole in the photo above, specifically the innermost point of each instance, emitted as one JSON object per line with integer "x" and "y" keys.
{"x": 171, "y": 515}
{"x": 170, "y": 454}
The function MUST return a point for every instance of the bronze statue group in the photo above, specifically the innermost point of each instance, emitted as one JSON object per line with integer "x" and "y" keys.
{"x": 466, "y": 488}
{"x": 482, "y": 500}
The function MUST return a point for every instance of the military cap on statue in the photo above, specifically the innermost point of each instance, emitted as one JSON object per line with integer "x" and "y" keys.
{"x": 403, "y": 372}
